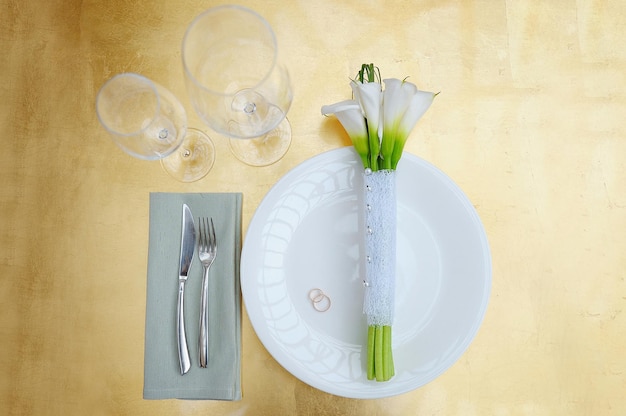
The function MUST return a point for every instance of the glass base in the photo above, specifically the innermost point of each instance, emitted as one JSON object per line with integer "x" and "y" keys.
{"x": 193, "y": 159}
{"x": 265, "y": 150}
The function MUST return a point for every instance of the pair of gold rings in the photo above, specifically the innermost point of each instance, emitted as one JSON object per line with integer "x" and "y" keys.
{"x": 319, "y": 300}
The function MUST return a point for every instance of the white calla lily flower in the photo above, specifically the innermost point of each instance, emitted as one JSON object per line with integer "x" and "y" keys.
{"x": 396, "y": 100}
{"x": 370, "y": 96}
{"x": 350, "y": 116}
{"x": 419, "y": 104}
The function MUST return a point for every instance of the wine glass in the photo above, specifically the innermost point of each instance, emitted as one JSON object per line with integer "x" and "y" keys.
{"x": 148, "y": 122}
{"x": 237, "y": 83}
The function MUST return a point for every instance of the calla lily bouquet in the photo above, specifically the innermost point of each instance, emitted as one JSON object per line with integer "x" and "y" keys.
{"x": 379, "y": 121}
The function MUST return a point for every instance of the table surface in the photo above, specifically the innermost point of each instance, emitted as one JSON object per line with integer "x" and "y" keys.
{"x": 529, "y": 123}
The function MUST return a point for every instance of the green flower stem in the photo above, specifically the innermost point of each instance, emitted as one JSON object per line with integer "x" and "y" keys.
{"x": 379, "y": 362}
{"x": 387, "y": 352}
{"x": 362, "y": 147}
{"x": 397, "y": 153}
{"x": 365, "y": 158}
{"x": 374, "y": 148}
{"x": 371, "y": 335}
{"x": 386, "y": 148}
{"x": 387, "y": 163}
{"x": 379, "y": 353}
{"x": 368, "y": 73}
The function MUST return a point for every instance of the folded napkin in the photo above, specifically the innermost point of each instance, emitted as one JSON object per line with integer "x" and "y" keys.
{"x": 221, "y": 380}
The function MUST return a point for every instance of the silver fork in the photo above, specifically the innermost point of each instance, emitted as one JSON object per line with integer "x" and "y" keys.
{"x": 207, "y": 250}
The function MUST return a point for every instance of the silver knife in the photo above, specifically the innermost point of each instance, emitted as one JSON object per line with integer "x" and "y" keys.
{"x": 187, "y": 250}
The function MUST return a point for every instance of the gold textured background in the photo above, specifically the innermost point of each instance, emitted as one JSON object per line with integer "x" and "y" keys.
{"x": 530, "y": 122}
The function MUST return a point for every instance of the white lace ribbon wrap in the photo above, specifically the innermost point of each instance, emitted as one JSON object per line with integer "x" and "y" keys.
{"x": 380, "y": 246}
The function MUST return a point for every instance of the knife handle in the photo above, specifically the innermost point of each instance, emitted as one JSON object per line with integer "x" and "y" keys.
{"x": 183, "y": 350}
{"x": 203, "y": 337}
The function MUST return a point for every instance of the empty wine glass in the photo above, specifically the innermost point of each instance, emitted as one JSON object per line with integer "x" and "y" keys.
{"x": 148, "y": 122}
{"x": 237, "y": 83}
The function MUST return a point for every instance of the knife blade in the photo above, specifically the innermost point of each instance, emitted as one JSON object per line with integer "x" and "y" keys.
{"x": 187, "y": 250}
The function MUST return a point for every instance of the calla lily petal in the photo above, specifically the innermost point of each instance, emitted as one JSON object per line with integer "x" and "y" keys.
{"x": 419, "y": 104}
{"x": 396, "y": 99}
{"x": 340, "y": 106}
{"x": 369, "y": 96}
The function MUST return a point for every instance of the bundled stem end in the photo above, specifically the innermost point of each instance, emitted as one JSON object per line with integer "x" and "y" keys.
{"x": 380, "y": 365}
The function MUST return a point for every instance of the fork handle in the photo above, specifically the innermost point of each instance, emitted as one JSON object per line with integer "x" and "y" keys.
{"x": 183, "y": 350}
{"x": 203, "y": 337}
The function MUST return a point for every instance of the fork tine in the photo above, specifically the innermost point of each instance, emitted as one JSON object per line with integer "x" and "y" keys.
{"x": 203, "y": 234}
{"x": 199, "y": 234}
{"x": 202, "y": 242}
{"x": 207, "y": 235}
{"x": 213, "y": 239}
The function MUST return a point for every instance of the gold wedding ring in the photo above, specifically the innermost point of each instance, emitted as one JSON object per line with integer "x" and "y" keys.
{"x": 319, "y": 300}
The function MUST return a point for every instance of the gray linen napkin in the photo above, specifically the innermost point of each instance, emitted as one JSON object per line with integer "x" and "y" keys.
{"x": 221, "y": 380}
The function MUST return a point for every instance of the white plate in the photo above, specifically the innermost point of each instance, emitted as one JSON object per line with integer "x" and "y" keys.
{"x": 305, "y": 235}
